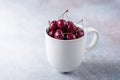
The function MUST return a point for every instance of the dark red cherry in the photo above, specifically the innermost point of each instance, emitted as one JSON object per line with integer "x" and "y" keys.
{"x": 79, "y": 34}
{"x": 53, "y": 25}
{"x": 59, "y": 34}
{"x": 61, "y": 23}
{"x": 65, "y": 29}
{"x": 70, "y": 36}
{"x": 51, "y": 33}
{"x": 71, "y": 26}
{"x": 78, "y": 29}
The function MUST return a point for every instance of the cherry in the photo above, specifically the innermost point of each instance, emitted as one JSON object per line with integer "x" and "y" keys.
{"x": 79, "y": 33}
{"x": 70, "y": 36}
{"x": 65, "y": 29}
{"x": 71, "y": 26}
{"x": 61, "y": 23}
{"x": 59, "y": 34}
{"x": 53, "y": 25}
{"x": 78, "y": 29}
{"x": 51, "y": 33}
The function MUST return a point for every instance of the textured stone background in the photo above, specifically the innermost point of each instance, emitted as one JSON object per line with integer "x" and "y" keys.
{"x": 22, "y": 49}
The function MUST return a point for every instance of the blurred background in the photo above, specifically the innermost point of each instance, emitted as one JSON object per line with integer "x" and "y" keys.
{"x": 22, "y": 48}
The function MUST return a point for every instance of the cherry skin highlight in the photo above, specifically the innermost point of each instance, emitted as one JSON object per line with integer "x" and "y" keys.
{"x": 59, "y": 34}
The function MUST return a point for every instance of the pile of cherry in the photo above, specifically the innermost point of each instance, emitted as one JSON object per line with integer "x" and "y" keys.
{"x": 64, "y": 30}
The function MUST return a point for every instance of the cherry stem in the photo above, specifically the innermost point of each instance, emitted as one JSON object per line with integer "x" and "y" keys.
{"x": 63, "y": 14}
{"x": 49, "y": 22}
{"x": 67, "y": 33}
{"x": 67, "y": 16}
{"x": 81, "y": 21}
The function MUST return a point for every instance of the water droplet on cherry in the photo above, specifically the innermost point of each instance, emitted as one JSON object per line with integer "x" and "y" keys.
{"x": 51, "y": 33}
{"x": 71, "y": 26}
{"x": 53, "y": 25}
{"x": 70, "y": 36}
{"x": 79, "y": 33}
{"x": 61, "y": 23}
{"x": 59, "y": 34}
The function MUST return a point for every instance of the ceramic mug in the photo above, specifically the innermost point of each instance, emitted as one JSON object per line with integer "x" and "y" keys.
{"x": 67, "y": 55}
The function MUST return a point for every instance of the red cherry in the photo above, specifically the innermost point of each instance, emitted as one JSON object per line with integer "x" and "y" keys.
{"x": 65, "y": 29}
{"x": 79, "y": 34}
{"x": 71, "y": 26}
{"x": 59, "y": 34}
{"x": 61, "y": 23}
{"x": 78, "y": 29}
{"x": 53, "y": 25}
{"x": 51, "y": 33}
{"x": 70, "y": 36}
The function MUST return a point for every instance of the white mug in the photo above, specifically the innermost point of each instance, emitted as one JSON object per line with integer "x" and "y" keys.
{"x": 67, "y": 55}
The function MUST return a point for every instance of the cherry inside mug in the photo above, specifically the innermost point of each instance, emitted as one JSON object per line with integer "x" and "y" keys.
{"x": 67, "y": 55}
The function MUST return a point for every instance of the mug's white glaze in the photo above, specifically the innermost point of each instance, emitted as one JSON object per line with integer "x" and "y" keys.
{"x": 67, "y": 55}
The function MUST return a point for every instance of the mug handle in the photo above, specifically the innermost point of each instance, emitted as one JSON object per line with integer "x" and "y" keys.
{"x": 94, "y": 40}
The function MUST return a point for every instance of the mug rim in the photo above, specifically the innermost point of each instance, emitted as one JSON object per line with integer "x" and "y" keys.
{"x": 84, "y": 29}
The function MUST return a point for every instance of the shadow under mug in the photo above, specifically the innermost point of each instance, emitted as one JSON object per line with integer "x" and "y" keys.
{"x": 67, "y": 55}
